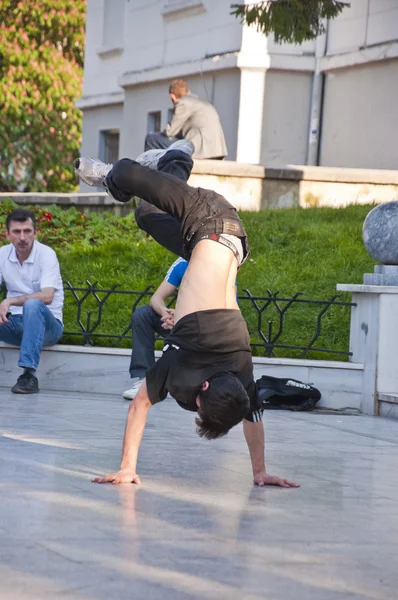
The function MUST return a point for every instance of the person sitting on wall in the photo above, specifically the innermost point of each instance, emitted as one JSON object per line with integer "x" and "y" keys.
{"x": 148, "y": 320}
{"x": 195, "y": 120}
{"x": 31, "y": 314}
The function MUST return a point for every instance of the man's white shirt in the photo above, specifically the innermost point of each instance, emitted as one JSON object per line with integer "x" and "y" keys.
{"x": 40, "y": 270}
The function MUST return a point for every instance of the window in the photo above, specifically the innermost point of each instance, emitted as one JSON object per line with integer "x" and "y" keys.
{"x": 170, "y": 114}
{"x": 154, "y": 121}
{"x": 109, "y": 146}
{"x": 174, "y": 6}
{"x": 113, "y": 31}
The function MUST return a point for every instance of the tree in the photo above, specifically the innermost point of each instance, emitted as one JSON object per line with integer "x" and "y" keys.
{"x": 41, "y": 70}
{"x": 291, "y": 21}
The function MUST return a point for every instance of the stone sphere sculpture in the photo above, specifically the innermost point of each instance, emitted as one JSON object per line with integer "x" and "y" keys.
{"x": 380, "y": 233}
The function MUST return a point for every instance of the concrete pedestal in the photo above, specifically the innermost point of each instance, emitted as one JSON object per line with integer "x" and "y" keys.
{"x": 374, "y": 342}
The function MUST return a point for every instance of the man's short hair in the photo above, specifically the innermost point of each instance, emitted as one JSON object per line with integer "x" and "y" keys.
{"x": 222, "y": 406}
{"x": 179, "y": 88}
{"x": 21, "y": 215}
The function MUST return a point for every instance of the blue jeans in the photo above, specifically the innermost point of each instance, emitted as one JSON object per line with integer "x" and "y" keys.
{"x": 35, "y": 328}
{"x": 145, "y": 322}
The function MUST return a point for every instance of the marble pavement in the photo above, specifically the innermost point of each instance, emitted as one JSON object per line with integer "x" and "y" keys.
{"x": 196, "y": 528}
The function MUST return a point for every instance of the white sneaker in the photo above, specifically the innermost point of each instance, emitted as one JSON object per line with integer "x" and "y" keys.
{"x": 150, "y": 158}
{"x": 133, "y": 391}
{"x": 92, "y": 171}
{"x": 183, "y": 146}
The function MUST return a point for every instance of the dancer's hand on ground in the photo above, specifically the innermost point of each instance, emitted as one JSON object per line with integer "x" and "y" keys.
{"x": 122, "y": 476}
{"x": 263, "y": 478}
{"x": 168, "y": 319}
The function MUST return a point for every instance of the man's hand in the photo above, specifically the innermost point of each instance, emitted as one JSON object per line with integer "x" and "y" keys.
{"x": 168, "y": 318}
{"x": 263, "y": 478}
{"x": 122, "y": 476}
{"x": 4, "y": 308}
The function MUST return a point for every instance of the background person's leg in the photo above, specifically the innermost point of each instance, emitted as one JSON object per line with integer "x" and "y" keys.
{"x": 40, "y": 327}
{"x": 155, "y": 140}
{"x": 11, "y": 332}
{"x": 145, "y": 322}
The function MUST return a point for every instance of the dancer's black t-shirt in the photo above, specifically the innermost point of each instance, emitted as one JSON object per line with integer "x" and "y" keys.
{"x": 200, "y": 345}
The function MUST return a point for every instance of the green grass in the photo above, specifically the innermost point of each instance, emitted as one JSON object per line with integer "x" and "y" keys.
{"x": 292, "y": 250}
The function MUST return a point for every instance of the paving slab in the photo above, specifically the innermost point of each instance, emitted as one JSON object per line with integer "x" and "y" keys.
{"x": 196, "y": 528}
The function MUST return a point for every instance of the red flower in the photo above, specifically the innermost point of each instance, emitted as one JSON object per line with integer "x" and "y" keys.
{"x": 48, "y": 216}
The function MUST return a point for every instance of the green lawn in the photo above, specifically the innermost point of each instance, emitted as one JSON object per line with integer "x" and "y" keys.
{"x": 292, "y": 250}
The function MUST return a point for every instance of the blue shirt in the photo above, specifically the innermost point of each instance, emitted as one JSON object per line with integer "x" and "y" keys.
{"x": 176, "y": 272}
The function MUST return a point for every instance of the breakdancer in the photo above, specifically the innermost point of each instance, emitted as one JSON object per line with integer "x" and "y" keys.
{"x": 206, "y": 364}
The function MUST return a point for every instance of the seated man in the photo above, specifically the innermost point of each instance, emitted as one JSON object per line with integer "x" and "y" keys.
{"x": 206, "y": 363}
{"x": 31, "y": 315}
{"x": 148, "y": 320}
{"x": 195, "y": 120}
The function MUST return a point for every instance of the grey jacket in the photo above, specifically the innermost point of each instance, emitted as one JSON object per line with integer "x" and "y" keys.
{"x": 198, "y": 121}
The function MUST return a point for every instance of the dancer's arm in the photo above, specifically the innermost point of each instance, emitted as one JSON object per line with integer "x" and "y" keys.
{"x": 254, "y": 434}
{"x": 135, "y": 425}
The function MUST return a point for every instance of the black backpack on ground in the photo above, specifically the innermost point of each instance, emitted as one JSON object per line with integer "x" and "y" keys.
{"x": 287, "y": 394}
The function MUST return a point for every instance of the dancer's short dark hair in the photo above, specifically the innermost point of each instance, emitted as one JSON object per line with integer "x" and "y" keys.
{"x": 21, "y": 215}
{"x": 222, "y": 406}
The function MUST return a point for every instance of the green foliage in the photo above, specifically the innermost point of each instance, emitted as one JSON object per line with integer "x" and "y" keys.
{"x": 41, "y": 60}
{"x": 292, "y": 21}
{"x": 292, "y": 250}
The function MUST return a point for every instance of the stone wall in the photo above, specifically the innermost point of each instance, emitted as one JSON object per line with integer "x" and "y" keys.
{"x": 105, "y": 370}
{"x": 255, "y": 187}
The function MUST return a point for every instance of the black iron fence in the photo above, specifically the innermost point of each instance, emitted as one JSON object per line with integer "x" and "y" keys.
{"x": 99, "y": 315}
{"x": 274, "y": 322}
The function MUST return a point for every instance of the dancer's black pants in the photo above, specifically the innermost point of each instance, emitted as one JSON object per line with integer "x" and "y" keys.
{"x": 198, "y": 212}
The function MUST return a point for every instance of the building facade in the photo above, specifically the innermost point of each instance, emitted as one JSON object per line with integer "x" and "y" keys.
{"x": 331, "y": 102}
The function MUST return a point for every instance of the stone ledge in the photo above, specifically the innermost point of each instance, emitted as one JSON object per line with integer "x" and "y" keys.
{"x": 84, "y": 198}
{"x": 367, "y": 289}
{"x": 259, "y": 360}
{"x": 83, "y": 369}
{"x": 255, "y": 187}
{"x": 296, "y": 172}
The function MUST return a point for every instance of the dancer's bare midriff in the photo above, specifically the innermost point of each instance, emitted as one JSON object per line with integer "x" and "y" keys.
{"x": 209, "y": 281}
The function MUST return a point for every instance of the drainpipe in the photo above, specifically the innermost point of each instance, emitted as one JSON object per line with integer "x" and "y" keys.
{"x": 314, "y": 137}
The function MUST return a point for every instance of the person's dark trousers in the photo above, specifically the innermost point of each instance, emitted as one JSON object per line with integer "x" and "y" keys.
{"x": 156, "y": 141}
{"x": 145, "y": 322}
{"x": 195, "y": 208}
{"x": 164, "y": 228}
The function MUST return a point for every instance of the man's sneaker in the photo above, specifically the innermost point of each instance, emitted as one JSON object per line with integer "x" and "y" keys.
{"x": 150, "y": 158}
{"x": 26, "y": 384}
{"x": 133, "y": 391}
{"x": 92, "y": 171}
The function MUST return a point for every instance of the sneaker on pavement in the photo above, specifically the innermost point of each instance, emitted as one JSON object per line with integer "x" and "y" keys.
{"x": 27, "y": 383}
{"x": 150, "y": 158}
{"x": 133, "y": 391}
{"x": 92, "y": 171}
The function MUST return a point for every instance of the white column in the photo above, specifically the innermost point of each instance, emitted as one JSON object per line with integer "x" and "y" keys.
{"x": 253, "y": 61}
{"x": 252, "y": 82}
